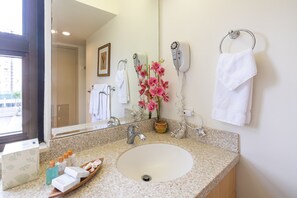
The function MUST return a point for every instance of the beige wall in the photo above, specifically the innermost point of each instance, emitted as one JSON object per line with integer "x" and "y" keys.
{"x": 81, "y": 84}
{"x": 134, "y": 29}
{"x": 268, "y": 164}
{"x": 81, "y": 81}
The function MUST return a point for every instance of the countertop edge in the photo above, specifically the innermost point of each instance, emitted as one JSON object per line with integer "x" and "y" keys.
{"x": 219, "y": 177}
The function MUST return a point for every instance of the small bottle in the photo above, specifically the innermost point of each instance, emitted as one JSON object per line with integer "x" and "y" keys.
{"x": 64, "y": 163}
{"x": 66, "y": 159}
{"x": 72, "y": 157}
{"x": 51, "y": 172}
{"x": 61, "y": 166}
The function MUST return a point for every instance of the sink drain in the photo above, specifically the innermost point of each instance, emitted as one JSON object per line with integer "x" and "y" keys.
{"x": 146, "y": 178}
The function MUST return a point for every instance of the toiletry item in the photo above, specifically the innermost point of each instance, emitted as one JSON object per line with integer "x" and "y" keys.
{"x": 91, "y": 166}
{"x": 51, "y": 172}
{"x": 97, "y": 162}
{"x": 76, "y": 172}
{"x": 66, "y": 159}
{"x": 61, "y": 166}
{"x": 20, "y": 163}
{"x": 88, "y": 166}
{"x": 72, "y": 157}
{"x": 64, "y": 182}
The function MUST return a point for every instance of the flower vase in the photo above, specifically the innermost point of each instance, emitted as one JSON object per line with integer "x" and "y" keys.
{"x": 161, "y": 126}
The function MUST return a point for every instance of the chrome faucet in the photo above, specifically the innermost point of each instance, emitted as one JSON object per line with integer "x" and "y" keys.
{"x": 131, "y": 134}
{"x": 114, "y": 121}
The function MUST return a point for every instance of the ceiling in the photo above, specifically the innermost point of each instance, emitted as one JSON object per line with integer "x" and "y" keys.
{"x": 79, "y": 19}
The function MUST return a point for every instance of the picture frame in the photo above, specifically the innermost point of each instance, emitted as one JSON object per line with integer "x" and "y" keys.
{"x": 103, "y": 64}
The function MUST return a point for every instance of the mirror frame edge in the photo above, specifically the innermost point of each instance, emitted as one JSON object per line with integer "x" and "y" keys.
{"x": 47, "y": 70}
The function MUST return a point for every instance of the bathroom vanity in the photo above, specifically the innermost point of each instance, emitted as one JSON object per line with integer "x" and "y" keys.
{"x": 212, "y": 173}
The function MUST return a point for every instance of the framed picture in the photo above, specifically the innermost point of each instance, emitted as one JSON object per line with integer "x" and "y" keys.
{"x": 103, "y": 66}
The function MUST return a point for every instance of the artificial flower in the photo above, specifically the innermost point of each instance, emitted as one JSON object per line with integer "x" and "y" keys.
{"x": 161, "y": 71}
{"x": 141, "y": 91}
{"x": 155, "y": 66}
{"x": 141, "y": 103}
{"x": 143, "y": 73}
{"x": 159, "y": 91}
{"x": 152, "y": 105}
{"x": 138, "y": 68}
{"x": 165, "y": 97}
{"x": 152, "y": 81}
{"x": 153, "y": 89}
{"x": 164, "y": 84}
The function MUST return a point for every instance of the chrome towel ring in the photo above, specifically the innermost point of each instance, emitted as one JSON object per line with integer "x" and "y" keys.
{"x": 124, "y": 62}
{"x": 234, "y": 34}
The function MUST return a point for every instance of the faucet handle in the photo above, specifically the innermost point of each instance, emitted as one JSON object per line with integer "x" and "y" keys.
{"x": 132, "y": 127}
{"x": 142, "y": 137}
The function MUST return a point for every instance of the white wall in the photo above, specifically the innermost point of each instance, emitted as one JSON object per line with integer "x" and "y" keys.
{"x": 107, "y": 5}
{"x": 268, "y": 164}
{"x": 134, "y": 29}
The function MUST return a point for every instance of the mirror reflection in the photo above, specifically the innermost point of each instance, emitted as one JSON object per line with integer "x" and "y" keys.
{"x": 94, "y": 82}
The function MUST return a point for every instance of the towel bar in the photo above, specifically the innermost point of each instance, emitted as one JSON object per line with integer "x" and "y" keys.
{"x": 234, "y": 34}
{"x": 110, "y": 87}
{"x": 107, "y": 93}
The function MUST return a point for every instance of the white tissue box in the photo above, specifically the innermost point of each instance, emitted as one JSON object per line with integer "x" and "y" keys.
{"x": 76, "y": 172}
{"x": 20, "y": 163}
{"x": 64, "y": 182}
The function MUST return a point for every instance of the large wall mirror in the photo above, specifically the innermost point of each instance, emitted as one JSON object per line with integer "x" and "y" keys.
{"x": 79, "y": 29}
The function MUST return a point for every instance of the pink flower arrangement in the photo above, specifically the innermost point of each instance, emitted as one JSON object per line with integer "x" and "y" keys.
{"x": 153, "y": 89}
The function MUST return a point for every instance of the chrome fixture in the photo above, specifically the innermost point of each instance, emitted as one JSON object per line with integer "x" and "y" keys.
{"x": 124, "y": 64}
{"x": 131, "y": 134}
{"x": 201, "y": 132}
{"x": 234, "y": 34}
{"x": 114, "y": 121}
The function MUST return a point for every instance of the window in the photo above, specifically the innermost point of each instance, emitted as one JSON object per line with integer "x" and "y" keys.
{"x": 11, "y": 16}
{"x": 21, "y": 70}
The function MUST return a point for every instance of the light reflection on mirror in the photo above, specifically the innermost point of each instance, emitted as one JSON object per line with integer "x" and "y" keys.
{"x": 131, "y": 26}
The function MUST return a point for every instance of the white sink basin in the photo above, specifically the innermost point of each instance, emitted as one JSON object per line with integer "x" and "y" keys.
{"x": 161, "y": 162}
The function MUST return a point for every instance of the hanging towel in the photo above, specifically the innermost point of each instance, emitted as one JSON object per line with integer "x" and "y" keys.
{"x": 122, "y": 83}
{"x": 234, "y": 85}
{"x": 99, "y": 102}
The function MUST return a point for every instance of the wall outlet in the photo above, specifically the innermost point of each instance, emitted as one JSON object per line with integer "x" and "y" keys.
{"x": 188, "y": 112}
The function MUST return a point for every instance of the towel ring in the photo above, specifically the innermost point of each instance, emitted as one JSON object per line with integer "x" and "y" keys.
{"x": 234, "y": 34}
{"x": 122, "y": 61}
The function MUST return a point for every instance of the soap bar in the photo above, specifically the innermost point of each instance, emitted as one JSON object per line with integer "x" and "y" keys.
{"x": 64, "y": 182}
{"x": 92, "y": 166}
{"x": 76, "y": 172}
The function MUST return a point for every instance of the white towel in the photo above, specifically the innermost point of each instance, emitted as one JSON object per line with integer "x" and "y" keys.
{"x": 122, "y": 82}
{"x": 234, "y": 84}
{"x": 99, "y": 103}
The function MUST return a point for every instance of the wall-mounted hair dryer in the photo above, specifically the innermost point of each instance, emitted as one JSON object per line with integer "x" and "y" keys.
{"x": 139, "y": 59}
{"x": 181, "y": 59}
{"x": 136, "y": 60}
{"x": 181, "y": 56}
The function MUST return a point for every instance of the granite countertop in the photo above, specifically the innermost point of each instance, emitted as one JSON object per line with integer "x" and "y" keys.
{"x": 211, "y": 164}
